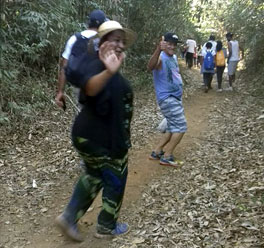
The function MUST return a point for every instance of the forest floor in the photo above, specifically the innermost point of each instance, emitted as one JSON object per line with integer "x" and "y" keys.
{"x": 214, "y": 199}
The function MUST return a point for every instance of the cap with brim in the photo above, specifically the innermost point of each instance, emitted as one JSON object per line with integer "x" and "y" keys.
{"x": 110, "y": 26}
{"x": 96, "y": 18}
{"x": 171, "y": 37}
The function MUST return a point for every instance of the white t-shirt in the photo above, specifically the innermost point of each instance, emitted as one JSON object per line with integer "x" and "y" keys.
{"x": 204, "y": 52}
{"x": 72, "y": 40}
{"x": 191, "y": 45}
{"x": 235, "y": 51}
{"x": 213, "y": 45}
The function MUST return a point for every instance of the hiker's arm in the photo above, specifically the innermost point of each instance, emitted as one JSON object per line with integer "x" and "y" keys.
{"x": 229, "y": 51}
{"x": 60, "y": 98}
{"x": 155, "y": 62}
{"x": 96, "y": 83}
{"x": 215, "y": 61}
{"x": 186, "y": 46}
{"x": 112, "y": 63}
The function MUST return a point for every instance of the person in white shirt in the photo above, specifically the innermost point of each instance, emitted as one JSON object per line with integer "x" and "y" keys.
{"x": 207, "y": 73}
{"x": 191, "y": 50}
{"x": 95, "y": 19}
{"x": 233, "y": 58}
{"x": 211, "y": 40}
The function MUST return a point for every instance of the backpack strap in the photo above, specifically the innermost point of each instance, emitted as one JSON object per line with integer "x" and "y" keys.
{"x": 78, "y": 35}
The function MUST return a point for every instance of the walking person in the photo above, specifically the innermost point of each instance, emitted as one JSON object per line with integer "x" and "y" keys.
{"x": 208, "y": 66}
{"x": 190, "y": 52}
{"x": 182, "y": 51}
{"x": 168, "y": 87}
{"x": 95, "y": 19}
{"x": 220, "y": 64}
{"x": 101, "y": 135}
{"x": 232, "y": 59}
{"x": 199, "y": 56}
{"x": 211, "y": 40}
{"x": 195, "y": 60}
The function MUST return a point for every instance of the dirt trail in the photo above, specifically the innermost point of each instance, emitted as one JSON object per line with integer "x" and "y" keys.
{"x": 141, "y": 172}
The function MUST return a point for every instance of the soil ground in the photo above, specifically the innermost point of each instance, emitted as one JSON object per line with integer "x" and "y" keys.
{"x": 141, "y": 172}
{"x": 38, "y": 230}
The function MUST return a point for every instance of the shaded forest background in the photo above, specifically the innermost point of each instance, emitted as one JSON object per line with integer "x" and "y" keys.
{"x": 33, "y": 34}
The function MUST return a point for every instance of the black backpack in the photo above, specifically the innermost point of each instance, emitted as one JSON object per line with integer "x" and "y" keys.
{"x": 78, "y": 56}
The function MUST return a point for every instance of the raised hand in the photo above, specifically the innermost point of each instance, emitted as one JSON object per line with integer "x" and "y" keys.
{"x": 162, "y": 44}
{"x": 112, "y": 59}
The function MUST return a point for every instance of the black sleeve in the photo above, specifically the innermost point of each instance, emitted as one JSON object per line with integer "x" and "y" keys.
{"x": 90, "y": 69}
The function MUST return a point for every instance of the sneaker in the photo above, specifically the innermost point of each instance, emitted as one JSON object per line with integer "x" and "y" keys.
{"x": 121, "y": 228}
{"x": 155, "y": 156}
{"x": 229, "y": 89}
{"x": 70, "y": 230}
{"x": 219, "y": 90}
{"x": 169, "y": 161}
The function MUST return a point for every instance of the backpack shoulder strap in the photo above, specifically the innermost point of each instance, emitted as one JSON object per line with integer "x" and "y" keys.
{"x": 78, "y": 35}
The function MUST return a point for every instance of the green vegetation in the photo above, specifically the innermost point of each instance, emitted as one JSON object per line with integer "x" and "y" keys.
{"x": 33, "y": 34}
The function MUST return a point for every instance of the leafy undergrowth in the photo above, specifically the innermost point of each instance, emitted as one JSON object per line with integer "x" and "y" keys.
{"x": 216, "y": 199}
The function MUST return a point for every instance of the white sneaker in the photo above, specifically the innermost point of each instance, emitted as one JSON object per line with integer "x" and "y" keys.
{"x": 219, "y": 90}
{"x": 229, "y": 89}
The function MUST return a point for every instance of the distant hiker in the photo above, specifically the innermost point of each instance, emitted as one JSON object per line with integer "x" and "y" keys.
{"x": 208, "y": 66}
{"x": 220, "y": 58}
{"x": 168, "y": 87}
{"x": 199, "y": 56}
{"x": 211, "y": 40}
{"x": 191, "y": 50}
{"x": 195, "y": 59}
{"x": 233, "y": 58}
{"x": 101, "y": 135}
{"x": 95, "y": 19}
{"x": 183, "y": 51}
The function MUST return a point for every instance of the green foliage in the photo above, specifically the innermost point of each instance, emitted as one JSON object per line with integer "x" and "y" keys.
{"x": 33, "y": 34}
{"x": 248, "y": 26}
{"x": 244, "y": 18}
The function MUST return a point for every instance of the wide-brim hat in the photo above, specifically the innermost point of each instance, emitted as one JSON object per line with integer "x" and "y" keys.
{"x": 110, "y": 26}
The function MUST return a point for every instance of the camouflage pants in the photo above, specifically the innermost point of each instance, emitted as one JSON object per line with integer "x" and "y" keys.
{"x": 104, "y": 173}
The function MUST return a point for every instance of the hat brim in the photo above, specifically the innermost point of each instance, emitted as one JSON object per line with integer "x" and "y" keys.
{"x": 174, "y": 41}
{"x": 130, "y": 36}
